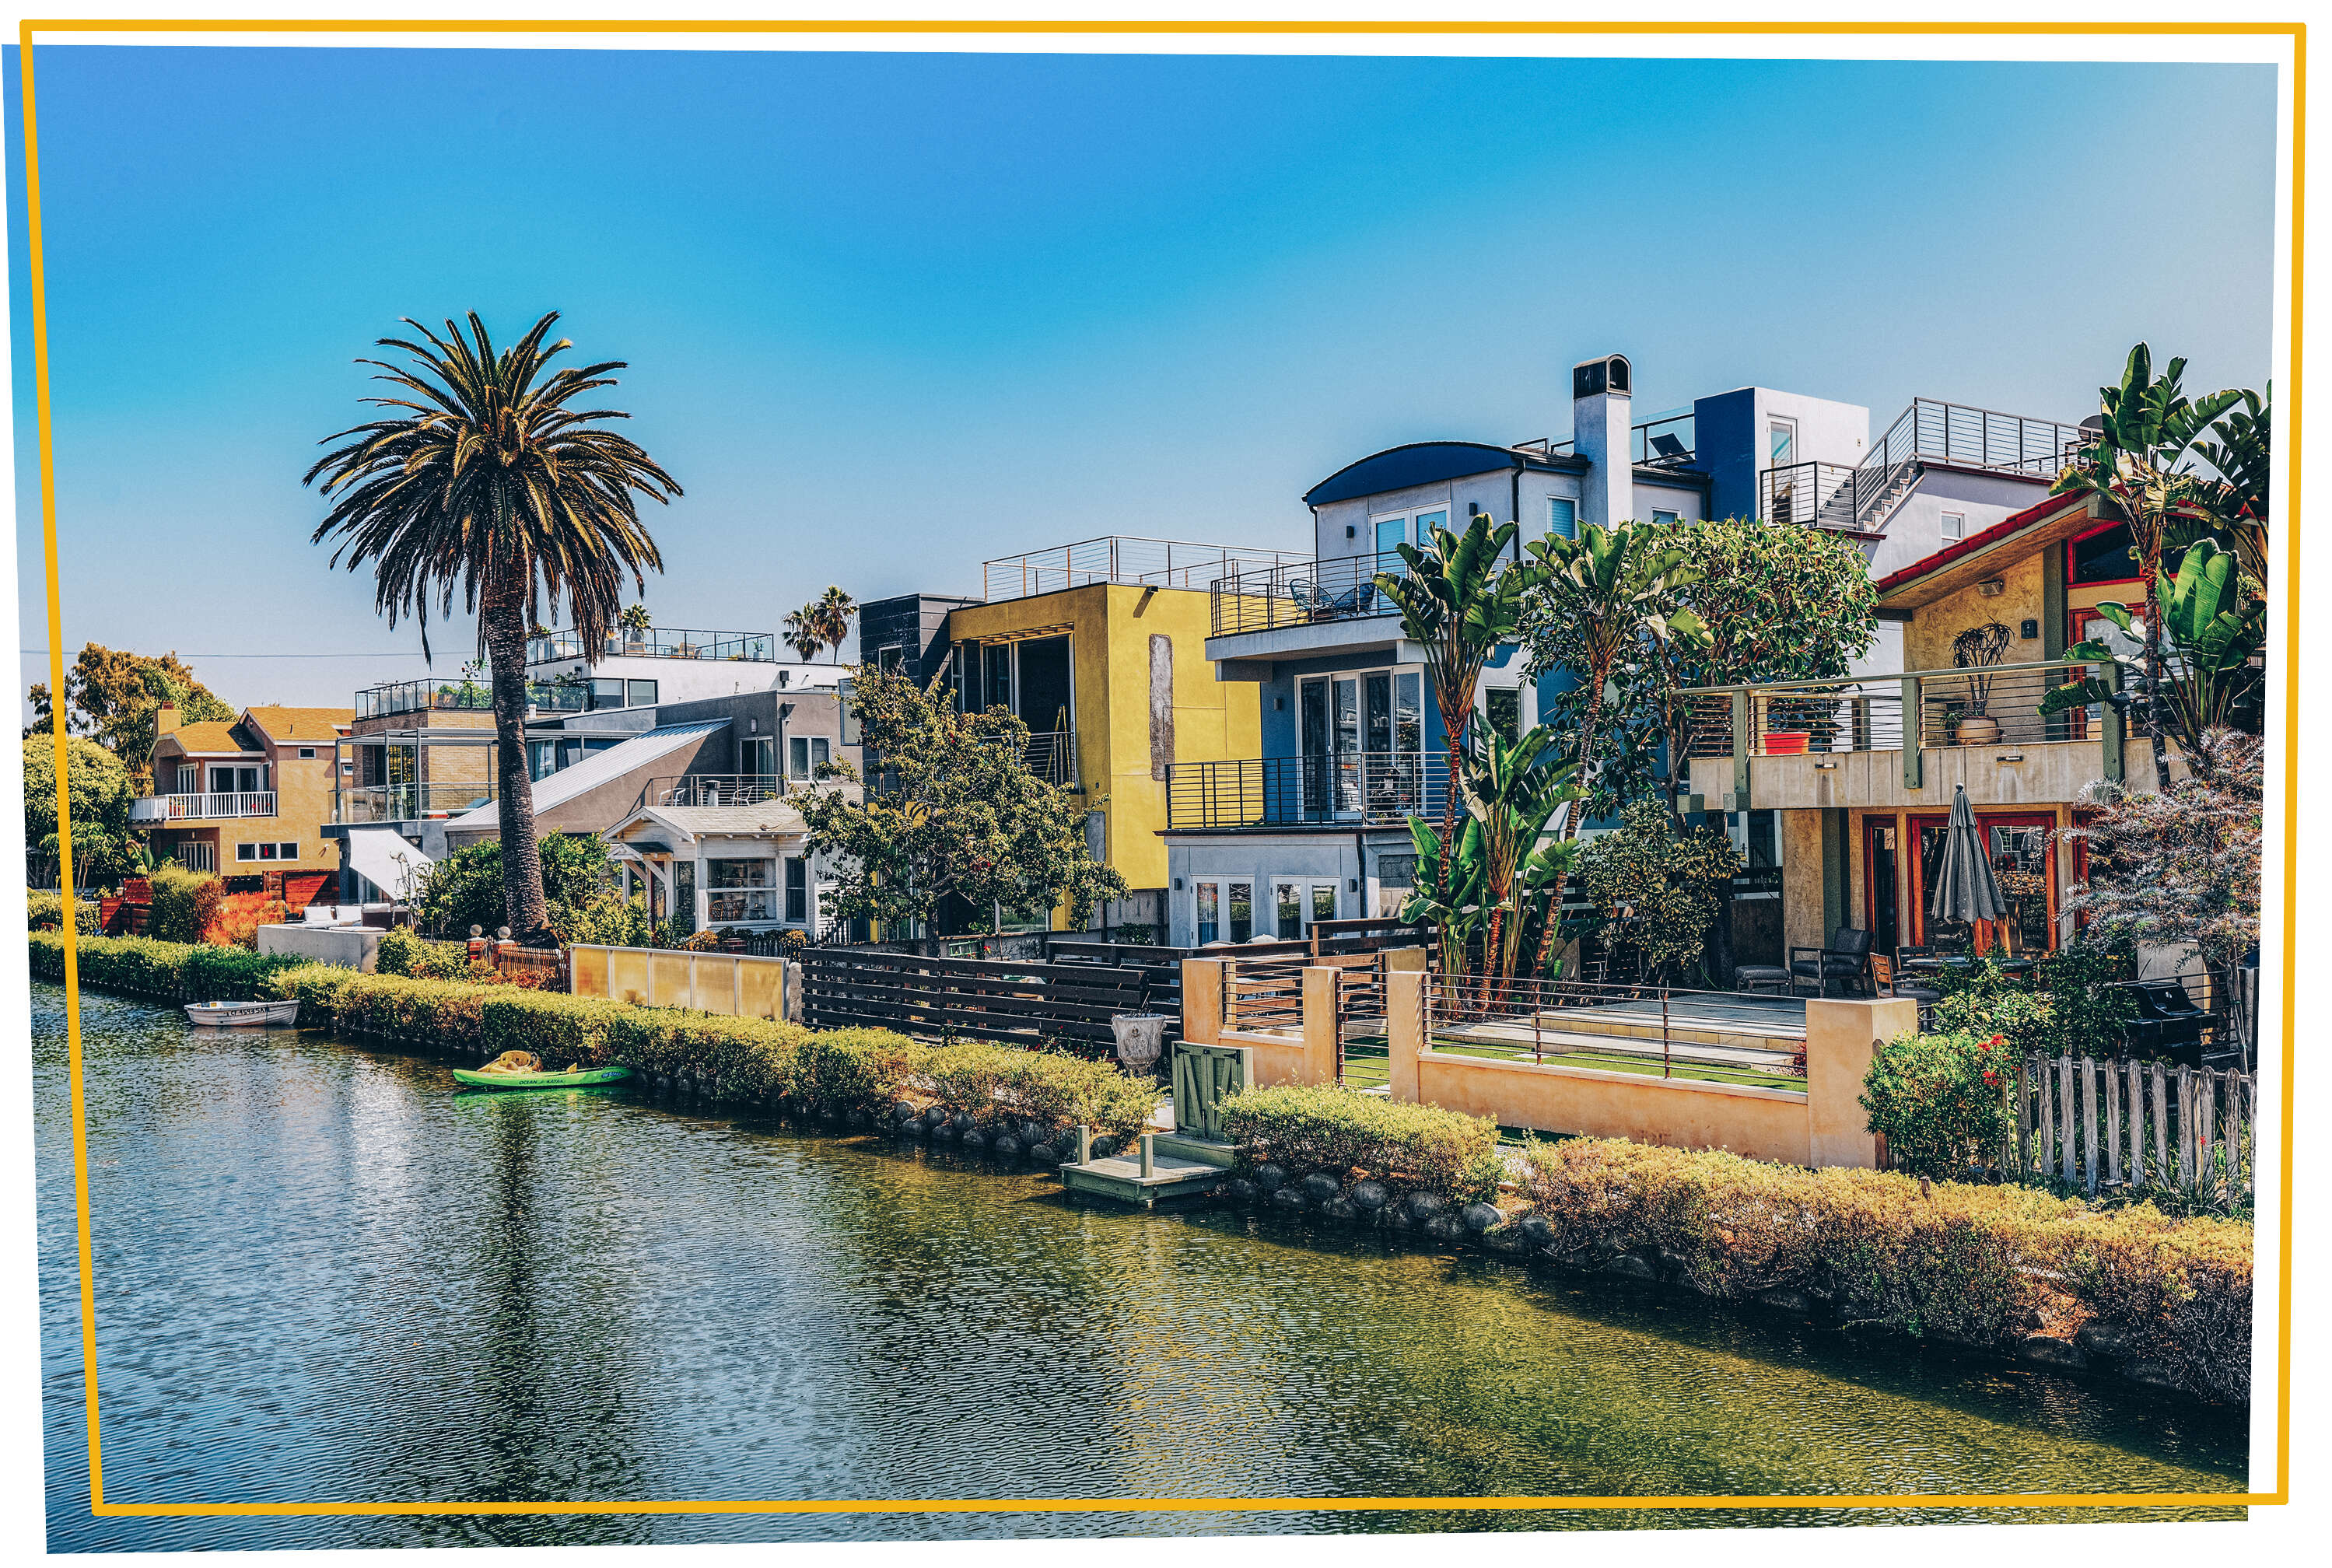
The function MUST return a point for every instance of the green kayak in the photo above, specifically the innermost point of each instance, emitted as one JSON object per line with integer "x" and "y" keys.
{"x": 581, "y": 1079}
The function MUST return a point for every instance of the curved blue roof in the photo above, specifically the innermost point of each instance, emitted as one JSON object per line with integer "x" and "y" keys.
{"x": 1426, "y": 463}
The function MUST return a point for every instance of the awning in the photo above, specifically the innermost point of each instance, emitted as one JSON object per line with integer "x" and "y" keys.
{"x": 382, "y": 857}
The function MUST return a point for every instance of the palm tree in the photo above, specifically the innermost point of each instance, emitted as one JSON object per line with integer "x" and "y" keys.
{"x": 483, "y": 477}
{"x": 2146, "y": 427}
{"x": 801, "y": 631}
{"x": 831, "y": 615}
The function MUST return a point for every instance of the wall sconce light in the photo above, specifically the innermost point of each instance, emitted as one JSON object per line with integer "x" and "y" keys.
{"x": 1825, "y": 767}
{"x": 1349, "y": 530}
{"x": 2009, "y": 757}
{"x": 1178, "y": 884}
{"x": 1991, "y": 587}
{"x": 1279, "y": 704}
{"x": 2029, "y": 630}
{"x": 1355, "y": 884}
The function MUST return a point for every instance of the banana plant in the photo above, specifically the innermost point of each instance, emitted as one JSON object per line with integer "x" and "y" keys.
{"x": 2213, "y": 628}
{"x": 1447, "y": 889}
{"x": 1513, "y": 790}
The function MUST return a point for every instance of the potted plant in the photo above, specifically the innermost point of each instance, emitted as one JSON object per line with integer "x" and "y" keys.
{"x": 636, "y": 622}
{"x": 1976, "y": 650}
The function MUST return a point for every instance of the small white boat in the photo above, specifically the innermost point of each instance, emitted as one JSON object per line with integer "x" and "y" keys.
{"x": 244, "y": 1015}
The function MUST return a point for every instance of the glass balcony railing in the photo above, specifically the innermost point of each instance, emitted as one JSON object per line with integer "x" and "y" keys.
{"x": 394, "y": 697}
{"x": 656, "y": 643}
{"x": 364, "y": 803}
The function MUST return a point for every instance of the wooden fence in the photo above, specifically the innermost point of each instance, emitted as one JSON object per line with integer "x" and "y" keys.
{"x": 1003, "y": 1000}
{"x": 738, "y": 985}
{"x": 2134, "y": 1124}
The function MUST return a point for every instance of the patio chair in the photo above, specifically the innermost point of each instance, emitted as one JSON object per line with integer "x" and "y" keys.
{"x": 1846, "y": 960}
{"x": 1884, "y": 983}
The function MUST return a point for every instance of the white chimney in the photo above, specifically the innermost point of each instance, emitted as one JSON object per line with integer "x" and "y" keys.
{"x": 1599, "y": 413}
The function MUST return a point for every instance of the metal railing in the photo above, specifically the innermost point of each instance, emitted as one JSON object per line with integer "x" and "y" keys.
{"x": 1051, "y": 755}
{"x": 1820, "y": 495}
{"x": 715, "y": 789}
{"x": 657, "y": 643}
{"x": 202, "y": 807}
{"x": 393, "y": 697}
{"x": 1725, "y": 1037}
{"x": 1303, "y": 593}
{"x": 1545, "y": 446}
{"x": 1662, "y": 443}
{"x": 1118, "y": 558}
{"x": 361, "y": 803}
{"x": 1860, "y": 499}
{"x": 1364, "y": 788}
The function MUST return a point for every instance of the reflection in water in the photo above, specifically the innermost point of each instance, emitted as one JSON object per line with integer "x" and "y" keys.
{"x": 323, "y": 1276}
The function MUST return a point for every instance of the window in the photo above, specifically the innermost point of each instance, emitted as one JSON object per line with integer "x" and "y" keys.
{"x": 891, "y": 660}
{"x": 1780, "y": 443}
{"x": 1287, "y": 903}
{"x": 287, "y": 851}
{"x": 737, "y": 890}
{"x": 1427, "y": 521}
{"x": 247, "y": 852}
{"x": 307, "y": 753}
{"x": 1562, "y": 517}
{"x": 1392, "y": 532}
{"x": 1503, "y": 707}
{"x": 640, "y": 693}
{"x": 1408, "y": 528}
{"x": 1664, "y": 517}
{"x": 1323, "y": 901}
{"x": 806, "y": 754}
{"x": 1955, "y": 526}
{"x": 1226, "y": 911}
{"x": 606, "y": 694}
{"x": 267, "y": 851}
{"x": 760, "y": 756}
{"x": 2108, "y": 556}
{"x": 189, "y": 780}
{"x": 797, "y": 890}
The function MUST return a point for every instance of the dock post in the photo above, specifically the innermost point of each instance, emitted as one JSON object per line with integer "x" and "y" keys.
{"x": 1149, "y": 1154}
{"x": 1084, "y": 1145}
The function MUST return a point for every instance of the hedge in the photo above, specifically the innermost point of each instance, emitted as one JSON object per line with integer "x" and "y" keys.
{"x": 1972, "y": 1264}
{"x": 1340, "y": 1131}
{"x": 174, "y": 972}
{"x": 48, "y": 908}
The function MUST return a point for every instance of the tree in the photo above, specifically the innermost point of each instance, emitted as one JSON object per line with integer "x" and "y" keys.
{"x": 1600, "y": 607}
{"x": 2239, "y": 500}
{"x": 2179, "y": 865}
{"x": 1513, "y": 791}
{"x": 98, "y": 792}
{"x": 956, "y": 815}
{"x": 466, "y": 887}
{"x": 2149, "y": 425}
{"x": 2213, "y": 627}
{"x": 485, "y": 478}
{"x": 1457, "y": 603}
{"x": 113, "y": 696}
{"x": 802, "y": 634}
{"x": 1661, "y": 889}
{"x": 831, "y": 613}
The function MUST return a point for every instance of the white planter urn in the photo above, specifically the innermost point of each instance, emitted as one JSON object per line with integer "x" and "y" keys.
{"x": 1141, "y": 1037}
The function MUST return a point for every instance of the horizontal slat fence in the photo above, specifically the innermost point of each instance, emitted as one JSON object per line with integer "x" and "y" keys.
{"x": 2132, "y": 1125}
{"x": 1007, "y": 1001}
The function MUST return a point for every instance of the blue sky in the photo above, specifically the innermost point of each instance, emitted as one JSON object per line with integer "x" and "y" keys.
{"x": 888, "y": 316}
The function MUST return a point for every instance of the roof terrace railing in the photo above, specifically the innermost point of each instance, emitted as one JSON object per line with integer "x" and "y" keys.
{"x": 657, "y": 643}
{"x": 393, "y": 697}
{"x": 1665, "y": 443}
{"x": 1117, "y": 559}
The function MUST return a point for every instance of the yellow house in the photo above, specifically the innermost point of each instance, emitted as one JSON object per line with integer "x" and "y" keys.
{"x": 1114, "y": 681}
{"x": 246, "y": 797}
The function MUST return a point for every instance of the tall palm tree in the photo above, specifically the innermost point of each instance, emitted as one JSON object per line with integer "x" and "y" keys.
{"x": 831, "y": 615}
{"x": 801, "y": 631}
{"x": 483, "y": 477}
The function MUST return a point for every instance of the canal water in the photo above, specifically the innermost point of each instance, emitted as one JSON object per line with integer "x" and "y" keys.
{"x": 321, "y": 1276}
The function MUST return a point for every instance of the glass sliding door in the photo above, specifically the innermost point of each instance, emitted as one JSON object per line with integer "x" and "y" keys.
{"x": 1288, "y": 909}
{"x": 1314, "y": 748}
{"x": 1345, "y": 691}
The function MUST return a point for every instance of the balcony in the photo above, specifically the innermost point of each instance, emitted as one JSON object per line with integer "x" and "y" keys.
{"x": 1901, "y": 740}
{"x": 655, "y": 643}
{"x": 1302, "y": 593}
{"x": 202, "y": 807}
{"x": 1356, "y": 788}
{"x": 363, "y": 803}
{"x": 717, "y": 789}
{"x": 1136, "y": 562}
{"x": 1858, "y": 501}
{"x": 394, "y": 697}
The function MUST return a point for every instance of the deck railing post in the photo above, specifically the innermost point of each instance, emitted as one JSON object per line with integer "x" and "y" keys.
{"x": 1914, "y": 725}
{"x": 1741, "y": 740}
{"x": 2110, "y": 723}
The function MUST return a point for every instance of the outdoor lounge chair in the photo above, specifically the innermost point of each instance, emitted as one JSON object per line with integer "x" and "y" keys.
{"x": 1846, "y": 960}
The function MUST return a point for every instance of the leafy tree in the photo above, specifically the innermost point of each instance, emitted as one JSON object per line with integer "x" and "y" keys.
{"x": 97, "y": 789}
{"x": 1661, "y": 890}
{"x": 111, "y": 695}
{"x": 1447, "y": 890}
{"x": 468, "y": 887}
{"x": 1458, "y": 604}
{"x": 485, "y": 478}
{"x": 2180, "y": 865}
{"x": 954, "y": 814}
{"x": 1513, "y": 790}
{"x": 2149, "y": 426}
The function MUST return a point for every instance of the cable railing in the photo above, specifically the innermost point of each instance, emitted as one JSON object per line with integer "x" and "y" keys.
{"x": 1365, "y": 788}
{"x": 1993, "y": 706}
{"x": 1120, "y": 558}
{"x": 1304, "y": 593}
{"x": 655, "y": 643}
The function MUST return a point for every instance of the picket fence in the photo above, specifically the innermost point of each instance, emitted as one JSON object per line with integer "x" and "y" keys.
{"x": 2134, "y": 1124}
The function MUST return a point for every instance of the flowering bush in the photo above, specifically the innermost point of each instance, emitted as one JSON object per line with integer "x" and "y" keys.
{"x": 1940, "y": 1100}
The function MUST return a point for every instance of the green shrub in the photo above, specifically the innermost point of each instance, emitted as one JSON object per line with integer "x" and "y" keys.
{"x": 185, "y": 903}
{"x": 1941, "y": 1100}
{"x": 401, "y": 953}
{"x": 1340, "y": 1131}
{"x": 998, "y": 1085}
{"x": 1969, "y": 1264}
{"x": 2089, "y": 1006}
{"x": 48, "y": 908}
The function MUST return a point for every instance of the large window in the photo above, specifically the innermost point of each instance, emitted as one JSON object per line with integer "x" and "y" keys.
{"x": 1407, "y": 526}
{"x": 1360, "y": 737}
{"x": 1562, "y": 517}
{"x": 760, "y": 755}
{"x": 1780, "y": 443}
{"x": 737, "y": 890}
{"x": 797, "y": 890}
{"x": 806, "y": 754}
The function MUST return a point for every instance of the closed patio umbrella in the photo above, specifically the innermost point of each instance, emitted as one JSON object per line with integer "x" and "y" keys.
{"x": 1964, "y": 887}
